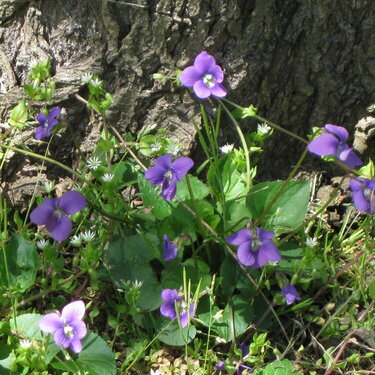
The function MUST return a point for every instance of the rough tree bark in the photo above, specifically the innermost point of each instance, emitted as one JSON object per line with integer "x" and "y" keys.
{"x": 303, "y": 63}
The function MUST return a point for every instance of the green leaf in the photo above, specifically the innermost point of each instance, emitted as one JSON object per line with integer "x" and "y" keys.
{"x": 124, "y": 175}
{"x": 243, "y": 314}
{"x": 291, "y": 258}
{"x": 225, "y": 179}
{"x": 19, "y": 115}
{"x": 199, "y": 189}
{"x": 283, "y": 367}
{"x": 7, "y": 359}
{"x": 128, "y": 259}
{"x": 173, "y": 335}
{"x": 196, "y": 271}
{"x": 289, "y": 210}
{"x": 96, "y": 358}
{"x": 236, "y": 215}
{"x": 27, "y": 325}
{"x": 151, "y": 197}
{"x": 23, "y": 263}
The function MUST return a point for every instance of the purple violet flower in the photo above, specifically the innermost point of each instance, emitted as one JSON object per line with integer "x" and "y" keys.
{"x": 363, "y": 194}
{"x": 174, "y": 303}
{"x": 46, "y": 123}
{"x": 255, "y": 249}
{"x": 167, "y": 173}
{"x": 290, "y": 294}
{"x": 67, "y": 328}
{"x": 332, "y": 142}
{"x": 204, "y": 77}
{"x": 170, "y": 250}
{"x": 53, "y": 213}
{"x": 220, "y": 367}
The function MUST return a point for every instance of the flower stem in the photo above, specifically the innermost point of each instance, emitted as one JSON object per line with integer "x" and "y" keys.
{"x": 244, "y": 144}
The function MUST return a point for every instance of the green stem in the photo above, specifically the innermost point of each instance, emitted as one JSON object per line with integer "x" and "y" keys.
{"x": 45, "y": 158}
{"x": 196, "y": 212}
{"x": 244, "y": 144}
{"x": 46, "y": 292}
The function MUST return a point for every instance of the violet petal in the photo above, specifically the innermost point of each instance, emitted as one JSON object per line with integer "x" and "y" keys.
{"x": 76, "y": 345}
{"x": 219, "y": 90}
{"x": 201, "y": 90}
{"x": 189, "y": 76}
{"x": 43, "y": 213}
{"x": 325, "y": 144}
{"x": 169, "y": 189}
{"x": 340, "y": 132}
{"x": 71, "y": 202}
{"x": 60, "y": 338}
{"x": 50, "y": 323}
{"x": 79, "y": 328}
{"x": 73, "y": 311}
{"x": 245, "y": 254}
{"x": 62, "y": 229}
{"x": 181, "y": 166}
{"x": 239, "y": 237}
{"x": 203, "y": 62}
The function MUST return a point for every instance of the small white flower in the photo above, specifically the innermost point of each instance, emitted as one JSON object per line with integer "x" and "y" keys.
{"x": 86, "y": 77}
{"x": 33, "y": 63}
{"x": 93, "y": 163}
{"x": 264, "y": 128}
{"x": 25, "y": 344}
{"x": 156, "y": 372}
{"x": 156, "y": 146}
{"x": 273, "y": 264}
{"x": 42, "y": 244}
{"x": 218, "y": 315}
{"x": 77, "y": 187}
{"x": 227, "y": 148}
{"x": 311, "y": 242}
{"x": 173, "y": 149}
{"x": 76, "y": 240}
{"x": 96, "y": 82}
{"x": 49, "y": 186}
{"x": 107, "y": 177}
{"x": 88, "y": 236}
{"x": 137, "y": 283}
{"x": 220, "y": 340}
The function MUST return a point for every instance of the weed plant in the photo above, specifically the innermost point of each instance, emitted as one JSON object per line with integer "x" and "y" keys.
{"x": 155, "y": 263}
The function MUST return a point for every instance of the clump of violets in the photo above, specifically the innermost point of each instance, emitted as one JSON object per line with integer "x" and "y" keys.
{"x": 205, "y": 77}
{"x": 174, "y": 303}
{"x": 166, "y": 173}
{"x": 67, "y": 327}
{"x": 333, "y": 142}
{"x": 363, "y": 191}
{"x": 53, "y": 213}
{"x": 255, "y": 247}
{"x": 290, "y": 294}
{"x": 170, "y": 249}
{"x": 46, "y": 123}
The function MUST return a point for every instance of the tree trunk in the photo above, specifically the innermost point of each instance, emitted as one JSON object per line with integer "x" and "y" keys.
{"x": 302, "y": 63}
